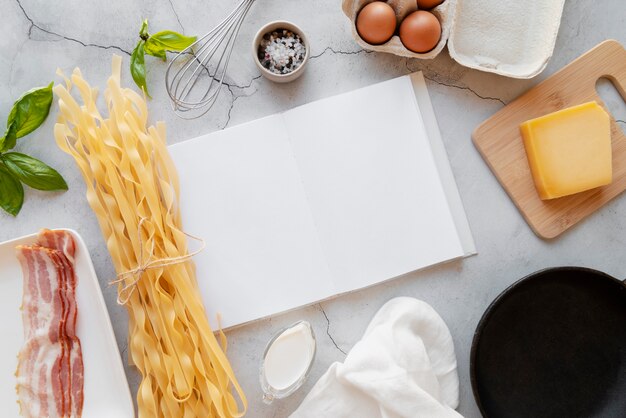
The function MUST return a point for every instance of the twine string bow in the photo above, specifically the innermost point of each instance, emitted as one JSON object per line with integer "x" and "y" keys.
{"x": 128, "y": 289}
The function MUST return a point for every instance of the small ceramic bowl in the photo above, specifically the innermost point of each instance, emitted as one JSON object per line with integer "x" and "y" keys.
{"x": 270, "y": 27}
{"x": 270, "y": 393}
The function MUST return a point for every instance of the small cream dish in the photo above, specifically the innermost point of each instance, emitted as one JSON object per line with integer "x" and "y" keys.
{"x": 287, "y": 361}
{"x": 269, "y": 28}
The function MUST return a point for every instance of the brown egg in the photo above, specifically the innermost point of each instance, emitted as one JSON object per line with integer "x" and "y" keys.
{"x": 376, "y": 22}
{"x": 428, "y": 4}
{"x": 420, "y": 31}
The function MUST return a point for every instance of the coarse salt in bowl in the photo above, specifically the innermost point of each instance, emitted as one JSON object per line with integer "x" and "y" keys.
{"x": 281, "y": 51}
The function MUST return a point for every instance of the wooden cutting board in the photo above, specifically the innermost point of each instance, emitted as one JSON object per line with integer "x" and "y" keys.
{"x": 499, "y": 140}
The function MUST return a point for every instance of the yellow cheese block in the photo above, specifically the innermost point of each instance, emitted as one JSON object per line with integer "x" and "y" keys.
{"x": 569, "y": 151}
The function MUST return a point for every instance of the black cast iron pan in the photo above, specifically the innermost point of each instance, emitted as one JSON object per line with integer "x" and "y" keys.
{"x": 553, "y": 345}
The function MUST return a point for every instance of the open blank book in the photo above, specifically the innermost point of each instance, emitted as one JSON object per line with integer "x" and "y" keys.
{"x": 329, "y": 197}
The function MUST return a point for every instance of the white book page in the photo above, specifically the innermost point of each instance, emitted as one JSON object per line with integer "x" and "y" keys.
{"x": 440, "y": 157}
{"x": 241, "y": 192}
{"x": 372, "y": 184}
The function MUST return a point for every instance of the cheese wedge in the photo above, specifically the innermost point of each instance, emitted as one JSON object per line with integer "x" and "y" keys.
{"x": 569, "y": 151}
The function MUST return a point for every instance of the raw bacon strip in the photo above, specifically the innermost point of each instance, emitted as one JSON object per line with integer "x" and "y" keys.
{"x": 58, "y": 240}
{"x": 42, "y": 316}
{"x": 62, "y": 241}
{"x": 38, "y": 379}
{"x": 50, "y": 368}
{"x": 77, "y": 376}
{"x": 63, "y": 268}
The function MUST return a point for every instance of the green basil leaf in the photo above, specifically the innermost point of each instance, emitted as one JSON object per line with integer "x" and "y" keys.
{"x": 155, "y": 49}
{"x": 10, "y": 137}
{"x": 143, "y": 32}
{"x": 28, "y": 113}
{"x": 32, "y": 172}
{"x": 138, "y": 67}
{"x": 171, "y": 41}
{"x": 11, "y": 192}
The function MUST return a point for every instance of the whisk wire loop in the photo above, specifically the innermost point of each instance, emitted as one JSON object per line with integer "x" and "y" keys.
{"x": 194, "y": 78}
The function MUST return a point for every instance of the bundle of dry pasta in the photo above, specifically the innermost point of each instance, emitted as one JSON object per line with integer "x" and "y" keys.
{"x": 132, "y": 186}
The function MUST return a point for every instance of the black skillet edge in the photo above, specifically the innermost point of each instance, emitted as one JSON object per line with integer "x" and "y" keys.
{"x": 496, "y": 302}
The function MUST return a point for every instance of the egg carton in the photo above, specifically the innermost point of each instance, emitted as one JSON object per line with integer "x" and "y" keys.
{"x": 511, "y": 38}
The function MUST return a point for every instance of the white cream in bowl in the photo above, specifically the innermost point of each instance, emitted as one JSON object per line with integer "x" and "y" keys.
{"x": 287, "y": 360}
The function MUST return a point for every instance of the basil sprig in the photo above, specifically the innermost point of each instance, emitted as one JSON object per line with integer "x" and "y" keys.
{"x": 11, "y": 192}
{"x": 155, "y": 45}
{"x": 28, "y": 113}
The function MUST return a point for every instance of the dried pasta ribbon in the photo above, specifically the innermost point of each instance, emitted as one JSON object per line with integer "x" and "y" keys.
{"x": 132, "y": 185}
{"x": 125, "y": 293}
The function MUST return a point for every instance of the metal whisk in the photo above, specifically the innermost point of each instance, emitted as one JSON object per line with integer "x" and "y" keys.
{"x": 195, "y": 76}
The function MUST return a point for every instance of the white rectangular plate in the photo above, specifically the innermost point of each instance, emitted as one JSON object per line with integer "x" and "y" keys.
{"x": 106, "y": 389}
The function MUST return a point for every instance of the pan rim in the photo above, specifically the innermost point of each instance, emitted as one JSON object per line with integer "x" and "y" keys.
{"x": 498, "y": 300}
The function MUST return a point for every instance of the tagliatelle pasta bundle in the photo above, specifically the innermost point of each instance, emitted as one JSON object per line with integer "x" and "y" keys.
{"x": 132, "y": 186}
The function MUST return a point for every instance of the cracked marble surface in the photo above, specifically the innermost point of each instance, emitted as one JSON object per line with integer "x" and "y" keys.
{"x": 41, "y": 36}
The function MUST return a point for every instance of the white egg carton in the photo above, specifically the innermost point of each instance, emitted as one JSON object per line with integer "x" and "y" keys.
{"x": 512, "y": 38}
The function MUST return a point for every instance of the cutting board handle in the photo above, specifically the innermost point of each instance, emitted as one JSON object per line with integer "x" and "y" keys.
{"x": 610, "y": 62}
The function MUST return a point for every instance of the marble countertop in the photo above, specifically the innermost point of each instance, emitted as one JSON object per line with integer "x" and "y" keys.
{"x": 40, "y": 36}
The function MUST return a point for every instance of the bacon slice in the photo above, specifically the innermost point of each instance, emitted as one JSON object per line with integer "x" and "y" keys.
{"x": 73, "y": 372}
{"x": 58, "y": 240}
{"x": 50, "y": 367}
{"x": 42, "y": 315}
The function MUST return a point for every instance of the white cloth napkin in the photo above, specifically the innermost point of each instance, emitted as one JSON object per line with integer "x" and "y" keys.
{"x": 404, "y": 366}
